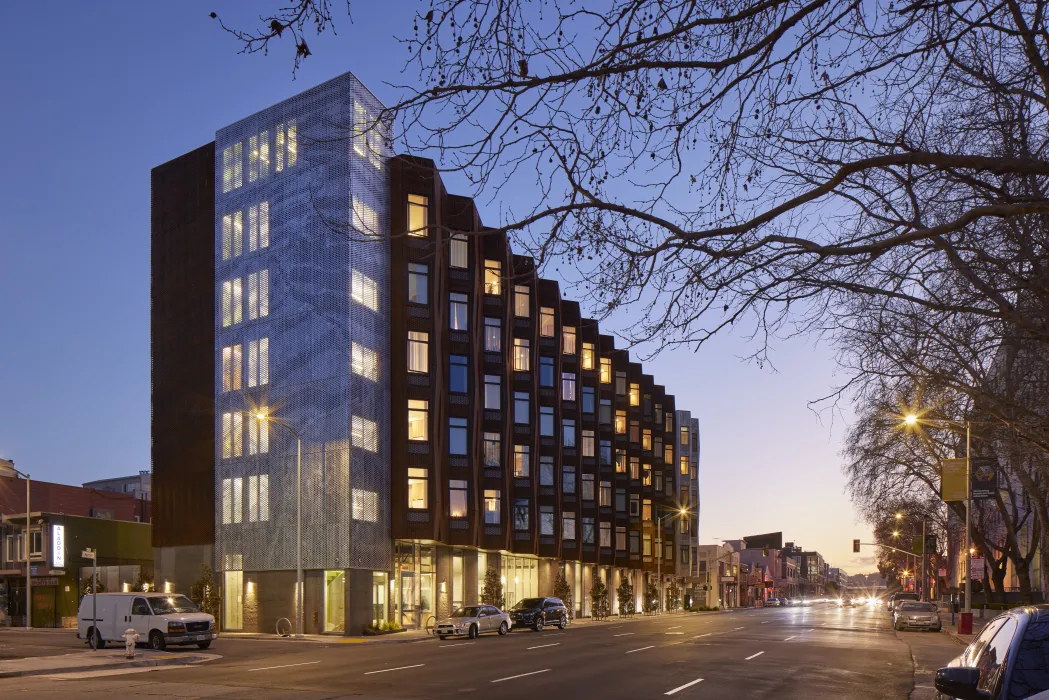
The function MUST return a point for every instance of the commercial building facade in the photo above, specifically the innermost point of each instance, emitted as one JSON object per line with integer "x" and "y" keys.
{"x": 455, "y": 413}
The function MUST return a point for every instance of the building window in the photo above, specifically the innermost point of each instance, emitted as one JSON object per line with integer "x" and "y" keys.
{"x": 457, "y": 311}
{"x": 568, "y": 526}
{"x": 568, "y": 432}
{"x": 458, "y": 251}
{"x": 457, "y": 498}
{"x": 568, "y": 478}
{"x": 418, "y": 283}
{"x": 670, "y": 424}
{"x": 522, "y": 360}
{"x": 287, "y": 146}
{"x": 258, "y": 435}
{"x": 668, "y": 455}
{"x": 684, "y": 554}
{"x": 646, "y": 474}
{"x": 659, "y": 482}
{"x": 364, "y": 290}
{"x": 418, "y": 215}
{"x": 635, "y": 468}
{"x": 606, "y": 535}
{"x": 684, "y": 465}
{"x": 620, "y": 461}
{"x": 521, "y": 514}
{"x": 635, "y": 432}
{"x": 232, "y": 302}
{"x": 546, "y": 470}
{"x": 647, "y": 548}
{"x": 646, "y": 440}
{"x": 521, "y": 301}
{"x": 232, "y": 235}
{"x": 606, "y": 453}
{"x": 418, "y": 488}
{"x": 367, "y": 135}
{"x": 546, "y": 521}
{"x": 620, "y": 422}
{"x": 546, "y": 421}
{"x": 621, "y": 501}
{"x": 568, "y": 340}
{"x": 604, "y": 415}
{"x": 492, "y": 392}
{"x": 521, "y": 407}
{"x": 364, "y": 505}
{"x": 457, "y": 374}
{"x": 605, "y": 494}
{"x": 684, "y": 435}
{"x": 259, "y": 294}
{"x": 493, "y": 334}
{"x": 259, "y": 498}
{"x": 588, "y": 487}
{"x": 588, "y": 443}
{"x": 258, "y": 166}
{"x": 588, "y": 399}
{"x": 259, "y": 227}
{"x": 606, "y": 370}
{"x": 492, "y": 506}
{"x": 635, "y": 394}
{"x": 521, "y": 461}
{"x": 232, "y": 434}
{"x": 620, "y": 383}
{"x": 418, "y": 352}
{"x": 546, "y": 371}
{"x": 646, "y": 510}
{"x": 659, "y": 414}
{"x": 233, "y": 167}
{"x": 364, "y": 362}
{"x": 493, "y": 274}
{"x": 231, "y": 367}
{"x": 492, "y": 451}
{"x": 568, "y": 386}
{"x": 621, "y": 538}
{"x": 587, "y": 360}
{"x": 588, "y": 530}
{"x": 546, "y": 321}
{"x": 635, "y": 541}
{"x": 418, "y": 420}
{"x": 457, "y": 437}
{"x": 233, "y": 501}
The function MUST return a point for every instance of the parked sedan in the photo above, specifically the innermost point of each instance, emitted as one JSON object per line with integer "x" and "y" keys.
{"x": 772, "y": 603}
{"x": 536, "y": 613}
{"x": 914, "y": 615}
{"x": 1009, "y": 659}
{"x": 473, "y": 620}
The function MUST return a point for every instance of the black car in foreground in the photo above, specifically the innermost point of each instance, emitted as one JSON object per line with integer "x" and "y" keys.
{"x": 537, "y": 613}
{"x": 1009, "y": 659}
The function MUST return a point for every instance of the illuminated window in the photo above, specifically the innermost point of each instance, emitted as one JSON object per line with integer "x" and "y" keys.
{"x": 457, "y": 436}
{"x": 457, "y": 498}
{"x": 418, "y": 215}
{"x": 635, "y": 395}
{"x": 227, "y": 502}
{"x": 684, "y": 435}
{"x": 588, "y": 443}
{"x": 606, "y": 370}
{"x": 293, "y": 143}
{"x": 492, "y": 506}
{"x": 646, "y": 474}
{"x": 587, "y": 360}
{"x": 521, "y": 407}
{"x": 259, "y": 294}
{"x": 233, "y": 166}
{"x": 364, "y": 505}
{"x": 684, "y": 465}
{"x": 493, "y": 456}
{"x": 364, "y": 362}
{"x": 620, "y": 422}
{"x": 587, "y": 487}
{"x": 367, "y": 135}
{"x": 670, "y": 423}
{"x": 521, "y": 461}
{"x": 258, "y": 435}
{"x": 522, "y": 359}
{"x": 364, "y": 434}
{"x": 635, "y": 468}
{"x": 232, "y": 302}
{"x": 647, "y": 545}
{"x": 620, "y": 461}
{"x": 232, "y": 235}
{"x": 264, "y": 153}
{"x": 457, "y": 311}
{"x": 568, "y": 386}
{"x": 253, "y": 158}
{"x": 620, "y": 383}
{"x": 521, "y": 301}
{"x": 493, "y": 334}
{"x": 605, "y": 494}
{"x": 259, "y": 362}
{"x": 458, "y": 251}
{"x": 568, "y": 340}
{"x": 418, "y": 352}
{"x": 227, "y": 435}
{"x": 418, "y": 420}
{"x": 492, "y": 392}
{"x": 365, "y": 219}
{"x": 259, "y": 227}
{"x": 668, "y": 454}
{"x": 287, "y": 146}
{"x": 232, "y": 434}
{"x": 646, "y": 440}
{"x": 418, "y": 488}
{"x": 546, "y": 321}
{"x": 521, "y": 519}
{"x": 238, "y": 500}
{"x": 568, "y": 478}
{"x": 258, "y": 498}
{"x": 568, "y": 526}
{"x": 493, "y": 277}
{"x": 364, "y": 290}
{"x": 231, "y": 368}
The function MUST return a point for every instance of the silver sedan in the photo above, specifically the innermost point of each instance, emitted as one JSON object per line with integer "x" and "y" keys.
{"x": 914, "y": 615}
{"x": 472, "y": 620}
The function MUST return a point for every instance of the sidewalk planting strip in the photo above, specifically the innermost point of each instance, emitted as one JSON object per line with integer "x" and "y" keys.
{"x": 520, "y": 675}
{"x": 754, "y": 656}
{"x": 399, "y": 668}
{"x": 682, "y": 687}
{"x": 641, "y": 649}
{"x": 270, "y": 668}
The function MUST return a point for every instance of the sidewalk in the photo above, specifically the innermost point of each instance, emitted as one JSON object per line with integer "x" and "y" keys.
{"x": 103, "y": 660}
{"x": 952, "y": 629}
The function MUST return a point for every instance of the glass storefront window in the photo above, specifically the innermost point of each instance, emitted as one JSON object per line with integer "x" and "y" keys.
{"x": 380, "y": 587}
{"x": 233, "y": 603}
{"x": 334, "y": 601}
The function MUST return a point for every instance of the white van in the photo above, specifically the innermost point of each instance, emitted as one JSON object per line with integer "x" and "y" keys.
{"x": 159, "y": 619}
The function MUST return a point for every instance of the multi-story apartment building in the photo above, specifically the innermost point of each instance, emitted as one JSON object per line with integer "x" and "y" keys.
{"x": 453, "y": 413}
{"x": 137, "y": 485}
{"x": 688, "y": 528}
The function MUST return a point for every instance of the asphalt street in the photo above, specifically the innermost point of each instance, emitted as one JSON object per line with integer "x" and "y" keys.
{"x": 811, "y": 653}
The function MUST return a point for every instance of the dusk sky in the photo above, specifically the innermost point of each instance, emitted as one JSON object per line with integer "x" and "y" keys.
{"x": 97, "y": 94}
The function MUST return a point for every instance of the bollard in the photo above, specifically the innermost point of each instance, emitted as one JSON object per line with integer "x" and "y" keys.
{"x": 130, "y": 637}
{"x": 965, "y": 623}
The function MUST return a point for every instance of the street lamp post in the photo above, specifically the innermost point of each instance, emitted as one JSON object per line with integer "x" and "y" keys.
{"x": 7, "y": 468}
{"x": 659, "y": 546}
{"x": 925, "y": 554}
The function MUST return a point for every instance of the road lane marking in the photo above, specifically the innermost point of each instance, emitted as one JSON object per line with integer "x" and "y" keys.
{"x": 682, "y": 687}
{"x": 738, "y": 628}
{"x": 641, "y": 649}
{"x": 674, "y": 627}
{"x": 542, "y": 646}
{"x": 674, "y": 633}
{"x": 399, "y": 668}
{"x": 453, "y": 646}
{"x": 808, "y": 630}
{"x": 520, "y": 675}
{"x": 622, "y": 634}
{"x": 270, "y": 668}
{"x": 754, "y": 656}
{"x": 790, "y": 638}
{"x": 766, "y": 622}
{"x": 703, "y": 635}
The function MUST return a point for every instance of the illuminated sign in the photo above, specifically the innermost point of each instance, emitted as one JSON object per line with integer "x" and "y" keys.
{"x": 58, "y": 546}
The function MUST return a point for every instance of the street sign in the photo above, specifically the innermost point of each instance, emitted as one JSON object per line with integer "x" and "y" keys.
{"x": 984, "y": 472}
{"x": 952, "y": 480}
{"x": 976, "y": 569}
{"x": 88, "y": 554}
{"x": 942, "y": 573}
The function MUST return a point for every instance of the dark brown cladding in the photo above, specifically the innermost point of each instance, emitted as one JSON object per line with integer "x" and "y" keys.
{"x": 182, "y": 348}
{"x": 558, "y": 467}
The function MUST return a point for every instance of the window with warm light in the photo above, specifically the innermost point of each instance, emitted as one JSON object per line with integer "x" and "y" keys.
{"x": 493, "y": 334}
{"x": 493, "y": 456}
{"x": 605, "y": 494}
{"x": 620, "y": 422}
{"x": 365, "y": 219}
{"x": 258, "y": 227}
{"x": 587, "y": 359}
{"x": 258, "y": 362}
{"x": 635, "y": 394}
{"x": 646, "y": 474}
{"x": 232, "y": 434}
{"x": 232, "y": 302}
{"x": 458, "y": 251}
{"x": 364, "y": 434}
{"x": 646, "y": 548}
{"x": 646, "y": 440}
{"x": 493, "y": 277}
{"x": 418, "y": 352}
{"x": 418, "y": 283}
{"x": 418, "y": 215}
{"x": 568, "y": 386}
{"x": 620, "y": 461}
{"x": 457, "y": 498}
{"x": 364, "y": 362}
{"x": 568, "y": 340}
{"x": 233, "y": 167}
{"x": 684, "y": 465}
{"x": 364, "y": 505}
{"x": 258, "y": 435}
{"x": 418, "y": 488}
{"x": 606, "y": 370}
{"x": 588, "y": 443}
{"x": 364, "y": 290}
{"x": 418, "y": 420}
{"x": 259, "y": 498}
{"x": 521, "y": 461}
{"x": 232, "y": 235}
{"x": 668, "y": 455}
{"x": 521, "y": 301}
{"x": 546, "y": 322}
{"x": 231, "y": 367}
{"x": 522, "y": 356}
{"x": 635, "y": 468}
{"x": 286, "y": 146}
{"x": 521, "y": 408}
{"x": 457, "y": 311}
{"x": 684, "y": 435}
{"x": 492, "y": 507}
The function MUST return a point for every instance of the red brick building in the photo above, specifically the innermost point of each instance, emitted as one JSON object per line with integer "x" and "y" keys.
{"x": 46, "y": 497}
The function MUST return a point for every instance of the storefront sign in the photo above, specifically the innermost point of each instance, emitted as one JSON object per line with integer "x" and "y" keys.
{"x": 984, "y": 478}
{"x": 58, "y": 546}
{"x": 976, "y": 569}
{"x": 952, "y": 480}
{"x": 45, "y": 581}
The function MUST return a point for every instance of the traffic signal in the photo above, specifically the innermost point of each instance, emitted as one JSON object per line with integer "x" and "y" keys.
{"x": 856, "y": 546}
{"x": 930, "y": 543}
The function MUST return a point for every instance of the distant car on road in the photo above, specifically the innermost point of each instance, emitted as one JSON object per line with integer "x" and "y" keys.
{"x": 472, "y": 620}
{"x": 1009, "y": 659}
{"x": 772, "y": 603}
{"x": 897, "y": 598}
{"x": 537, "y": 613}
{"x": 914, "y": 615}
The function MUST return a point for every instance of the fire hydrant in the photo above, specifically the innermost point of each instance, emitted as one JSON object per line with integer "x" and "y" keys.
{"x": 130, "y": 637}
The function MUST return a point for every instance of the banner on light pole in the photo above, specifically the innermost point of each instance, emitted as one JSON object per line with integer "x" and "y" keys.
{"x": 952, "y": 480}
{"x": 984, "y": 472}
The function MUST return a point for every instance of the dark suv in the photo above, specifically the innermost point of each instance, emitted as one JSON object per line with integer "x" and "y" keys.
{"x": 539, "y": 612}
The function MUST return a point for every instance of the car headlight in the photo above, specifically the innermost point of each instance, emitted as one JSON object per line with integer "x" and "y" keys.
{"x": 176, "y": 627}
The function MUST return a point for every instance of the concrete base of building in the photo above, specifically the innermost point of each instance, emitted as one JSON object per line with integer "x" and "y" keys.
{"x": 178, "y": 568}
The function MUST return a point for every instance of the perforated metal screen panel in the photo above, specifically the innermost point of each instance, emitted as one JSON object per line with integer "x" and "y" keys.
{"x": 326, "y": 290}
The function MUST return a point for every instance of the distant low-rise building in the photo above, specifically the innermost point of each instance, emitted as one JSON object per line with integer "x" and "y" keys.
{"x": 719, "y": 571}
{"x": 138, "y": 485}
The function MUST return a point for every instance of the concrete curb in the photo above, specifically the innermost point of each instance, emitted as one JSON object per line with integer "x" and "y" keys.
{"x": 180, "y": 659}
